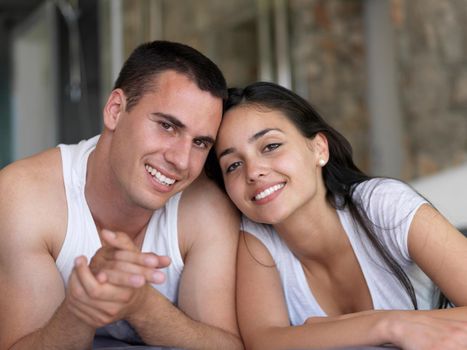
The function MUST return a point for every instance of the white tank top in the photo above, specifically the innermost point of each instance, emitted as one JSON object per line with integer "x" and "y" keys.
{"x": 391, "y": 206}
{"x": 82, "y": 238}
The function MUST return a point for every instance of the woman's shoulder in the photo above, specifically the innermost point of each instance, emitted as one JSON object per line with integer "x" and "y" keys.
{"x": 265, "y": 233}
{"x": 385, "y": 190}
{"x": 256, "y": 228}
{"x": 387, "y": 202}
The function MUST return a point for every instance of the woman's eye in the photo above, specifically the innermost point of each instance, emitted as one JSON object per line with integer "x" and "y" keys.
{"x": 232, "y": 167}
{"x": 272, "y": 147}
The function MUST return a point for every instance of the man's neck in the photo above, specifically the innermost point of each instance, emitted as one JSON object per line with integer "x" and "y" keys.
{"x": 109, "y": 208}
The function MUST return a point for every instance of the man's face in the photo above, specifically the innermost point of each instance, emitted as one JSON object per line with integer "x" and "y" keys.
{"x": 159, "y": 147}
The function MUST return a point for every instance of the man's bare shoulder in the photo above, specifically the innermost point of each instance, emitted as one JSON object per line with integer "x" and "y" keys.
{"x": 33, "y": 176}
{"x": 204, "y": 198}
{"x": 33, "y": 198}
{"x": 205, "y": 211}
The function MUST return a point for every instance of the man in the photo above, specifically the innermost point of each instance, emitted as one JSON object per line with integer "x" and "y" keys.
{"x": 85, "y": 229}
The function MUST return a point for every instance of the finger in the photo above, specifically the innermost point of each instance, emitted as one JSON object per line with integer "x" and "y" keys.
{"x": 133, "y": 279}
{"x": 127, "y": 267}
{"x": 118, "y": 240}
{"x": 145, "y": 259}
{"x": 129, "y": 274}
{"x": 84, "y": 317}
{"x": 101, "y": 277}
{"x": 164, "y": 261}
{"x": 105, "y": 252}
{"x": 88, "y": 315}
{"x": 86, "y": 279}
{"x": 123, "y": 279}
{"x": 97, "y": 312}
{"x": 102, "y": 292}
{"x": 101, "y": 259}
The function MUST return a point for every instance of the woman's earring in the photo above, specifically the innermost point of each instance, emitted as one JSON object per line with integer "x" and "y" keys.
{"x": 322, "y": 162}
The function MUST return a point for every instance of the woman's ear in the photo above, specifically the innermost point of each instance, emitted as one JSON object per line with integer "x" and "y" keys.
{"x": 320, "y": 147}
{"x": 115, "y": 106}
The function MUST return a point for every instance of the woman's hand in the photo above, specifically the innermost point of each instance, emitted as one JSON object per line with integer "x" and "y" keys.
{"x": 417, "y": 330}
{"x": 410, "y": 330}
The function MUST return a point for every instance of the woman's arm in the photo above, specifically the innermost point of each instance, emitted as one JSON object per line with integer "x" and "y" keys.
{"x": 263, "y": 316}
{"x": 441, "y": 252}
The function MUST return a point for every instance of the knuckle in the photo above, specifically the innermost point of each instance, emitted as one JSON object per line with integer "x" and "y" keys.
{"x": 126, "y": 296}
{"x": 113, "y": 311}
{"x": 118, "y": 255}
{"x": 94, "y": 292}
{"x": 123, "y": 237}
{"x": 103, "y": 320}
{"x": 116, "y": 265}
{"x": 77, "y": 293}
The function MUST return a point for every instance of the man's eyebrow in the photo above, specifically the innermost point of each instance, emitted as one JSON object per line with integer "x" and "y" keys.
{"x": 175, "y": 121}
{"x": 253, "y": 138}
{"x": 206, "y": 139}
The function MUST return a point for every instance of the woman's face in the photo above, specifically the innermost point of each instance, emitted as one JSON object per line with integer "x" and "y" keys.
{"x": 270, "y": 169}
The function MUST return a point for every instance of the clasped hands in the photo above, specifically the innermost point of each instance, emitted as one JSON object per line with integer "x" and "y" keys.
{"x": 114, "y": 284}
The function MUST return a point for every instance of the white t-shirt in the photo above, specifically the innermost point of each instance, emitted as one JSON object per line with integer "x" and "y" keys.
{"x": 390, "y": 206}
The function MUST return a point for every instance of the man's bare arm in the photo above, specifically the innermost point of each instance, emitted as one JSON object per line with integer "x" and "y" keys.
{"x": 31, "y": 287}
{"x": 156, "y": 319}
{"x": 206, "y": 318}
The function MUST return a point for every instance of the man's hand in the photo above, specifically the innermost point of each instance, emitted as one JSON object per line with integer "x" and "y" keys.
{"x": 98, "y": 303}
{"x": 113, "y": 285}
{"x": 121, "y": 263}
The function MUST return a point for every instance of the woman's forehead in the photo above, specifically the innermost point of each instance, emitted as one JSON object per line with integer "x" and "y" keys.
{"x": 255, "y": 112}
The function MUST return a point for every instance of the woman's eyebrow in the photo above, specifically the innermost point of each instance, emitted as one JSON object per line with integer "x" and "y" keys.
{"x": 253, "y": 138}
{"x": 262, "y": 133}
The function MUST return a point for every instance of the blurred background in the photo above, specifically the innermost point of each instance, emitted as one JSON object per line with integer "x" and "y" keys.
{"x": 391, "y": 75}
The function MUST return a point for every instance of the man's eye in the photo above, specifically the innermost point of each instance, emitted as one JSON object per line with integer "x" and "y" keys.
{"x": 232, "y": 167}
{"x": 166, "y": 125}
{"x": 272, "y": 147}
{"x": 201, "y": 144}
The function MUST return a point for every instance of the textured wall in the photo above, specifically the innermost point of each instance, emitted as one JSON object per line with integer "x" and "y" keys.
{"x": 328, "y": 55}
{"x": 431, "y": 39}
{"x": 328, "y": 64}
{"x": 328, "y": 51}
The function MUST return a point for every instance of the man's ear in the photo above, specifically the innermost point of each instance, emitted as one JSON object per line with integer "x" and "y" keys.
{"x": 115, "y": 106}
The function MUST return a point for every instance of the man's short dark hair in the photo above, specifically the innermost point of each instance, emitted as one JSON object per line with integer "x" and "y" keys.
{"x": 150, "y": 59}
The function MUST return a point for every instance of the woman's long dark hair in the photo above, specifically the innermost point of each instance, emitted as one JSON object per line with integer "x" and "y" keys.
{"x": 340, "y": 173}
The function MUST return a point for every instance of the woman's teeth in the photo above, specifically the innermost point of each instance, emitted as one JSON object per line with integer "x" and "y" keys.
{"x": 268, "y": 191}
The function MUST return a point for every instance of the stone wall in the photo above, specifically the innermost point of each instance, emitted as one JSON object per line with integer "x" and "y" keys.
{"x": 224, "y": 31}
{"x": 328, "y": 64}
{"x": 431, "y": 42}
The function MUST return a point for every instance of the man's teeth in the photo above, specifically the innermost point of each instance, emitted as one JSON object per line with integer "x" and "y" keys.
{"x": 160, "y": 177}
{"x": 268, "y": 191}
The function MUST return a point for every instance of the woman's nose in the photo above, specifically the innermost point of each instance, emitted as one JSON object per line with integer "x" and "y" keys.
{"x": 255, "y": 171}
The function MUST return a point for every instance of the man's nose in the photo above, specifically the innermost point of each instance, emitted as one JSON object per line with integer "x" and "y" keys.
{"x": 179, "y": 153}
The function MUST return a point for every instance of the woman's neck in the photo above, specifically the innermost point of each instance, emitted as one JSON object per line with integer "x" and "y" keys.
{"x": 314, "y": 232}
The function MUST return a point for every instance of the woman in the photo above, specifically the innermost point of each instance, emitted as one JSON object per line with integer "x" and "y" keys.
{"x": 331, "y": 257}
